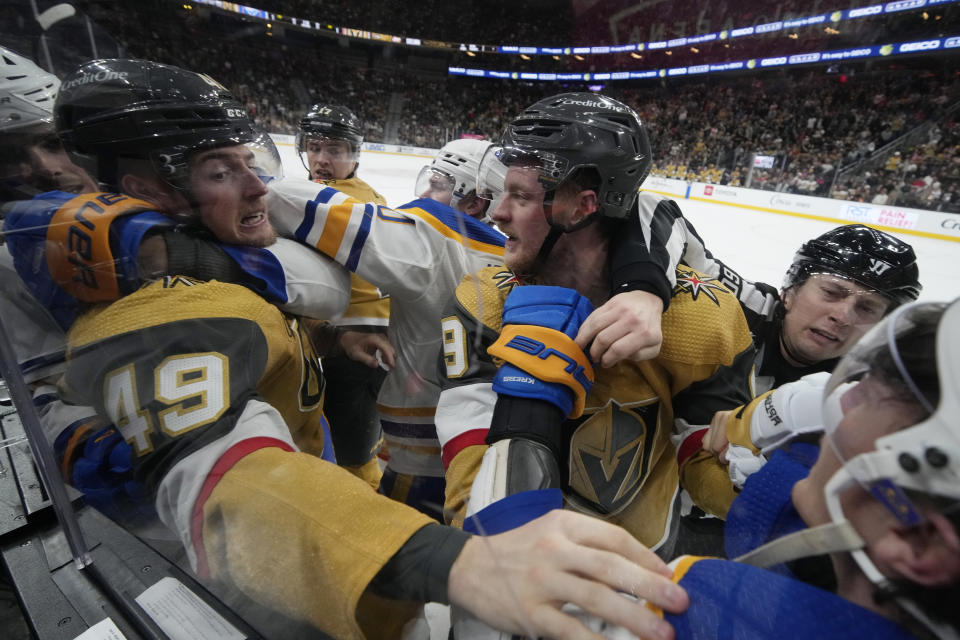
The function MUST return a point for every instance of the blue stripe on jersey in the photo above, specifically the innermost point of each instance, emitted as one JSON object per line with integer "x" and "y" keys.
{"x": 453, "y": 219}
{"x": 269, "y": 280}
{"x": 33, "y": 364}
{"x": 310, "y": 212}
{"x": 360, "y": 239}
{"x": 44, "y": 399}
{"x": 409, "y": 430}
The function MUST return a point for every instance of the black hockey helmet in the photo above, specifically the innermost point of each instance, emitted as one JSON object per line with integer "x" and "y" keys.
{"x": 869, "y": 257}
{"x": 572, "y": 131}
{"x": 330, "y": 122}
{"x": 124, "y": 108}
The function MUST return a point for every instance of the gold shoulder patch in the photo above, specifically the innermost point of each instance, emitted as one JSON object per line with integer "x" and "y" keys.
{"x": 483, "y": 293}
{"x": 704, "y": 324}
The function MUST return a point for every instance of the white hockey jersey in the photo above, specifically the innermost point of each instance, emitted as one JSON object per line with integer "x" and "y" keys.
{"x": 417, "y": 253}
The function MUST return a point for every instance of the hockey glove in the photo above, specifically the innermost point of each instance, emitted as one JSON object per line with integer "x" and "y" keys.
{"x": 92, "y": 244}
{"x": 104, "y": 474}
{"x": 541, "y": 360}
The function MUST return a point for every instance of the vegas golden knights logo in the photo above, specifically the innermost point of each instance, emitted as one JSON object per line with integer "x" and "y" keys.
{"x": 610, "y": 454}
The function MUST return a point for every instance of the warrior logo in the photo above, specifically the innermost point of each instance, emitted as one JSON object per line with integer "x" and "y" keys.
{"x": 878, "y": 267}
{"x": 696, "y": 283}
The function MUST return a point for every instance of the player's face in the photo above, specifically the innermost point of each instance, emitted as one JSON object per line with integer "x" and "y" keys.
{"x": 871, "y": 410}
{"x": 520, "y": 216}
{"x": 52, "y": 168}
{"x": 439, "y": 188}
{"x": 230, "y": 196}
{"x": 329, "y": 159}
{"x": 826, "y": 316}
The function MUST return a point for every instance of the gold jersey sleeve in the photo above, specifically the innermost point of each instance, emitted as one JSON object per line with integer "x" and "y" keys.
{"x": 219, "y": 390}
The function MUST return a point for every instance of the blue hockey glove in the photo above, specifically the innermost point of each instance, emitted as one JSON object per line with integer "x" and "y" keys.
{"x": 541, "y": 360}
{"x": 104, "y": 474}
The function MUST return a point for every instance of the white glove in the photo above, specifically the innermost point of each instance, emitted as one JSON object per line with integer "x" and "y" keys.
{"x": 791, "y": 410}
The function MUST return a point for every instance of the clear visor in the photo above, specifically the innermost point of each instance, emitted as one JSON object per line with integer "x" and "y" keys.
{"x": 267, "y": 163}
{"x": 870, "y": 398}
{"x": 262, "y": 158}
{"x": 315, "y": 149}
{"x": 434, "y": 184}
{"x": 23, "y": 116}
{"x": 862, "y": 305}
{"x": 533, "y": 171}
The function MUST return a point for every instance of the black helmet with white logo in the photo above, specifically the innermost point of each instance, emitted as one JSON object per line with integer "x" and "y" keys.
{"x": 869, "y": 257}
{"x": 108, "y": 110}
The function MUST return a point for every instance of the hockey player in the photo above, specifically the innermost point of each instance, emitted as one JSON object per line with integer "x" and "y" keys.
{"x": 452, "y": 178}
{"x": 879, "y": 495}
{"x": 216, "y": 402}
{"x": 839, "y": 285}
{"x": 572, "y": 165}
{"x": 417, "y": 254}
{"x": 27, "y": 93}
{"x": 328, "y": 141}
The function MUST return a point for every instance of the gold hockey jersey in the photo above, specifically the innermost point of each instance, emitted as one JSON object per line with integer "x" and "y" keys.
{"x": 619, "y": 462}
{"x": 219, "y": 395}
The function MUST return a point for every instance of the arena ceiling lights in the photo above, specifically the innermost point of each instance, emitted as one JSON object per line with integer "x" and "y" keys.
{"x": 828, "y": 18}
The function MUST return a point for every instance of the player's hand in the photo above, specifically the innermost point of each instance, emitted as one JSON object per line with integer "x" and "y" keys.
{"x": 152, "y": 257}
{"x": 715, "y": 441}
{"x": 519, "y": 580}
{"x": 627, "y": 326}
{"x": 362, "y": 346}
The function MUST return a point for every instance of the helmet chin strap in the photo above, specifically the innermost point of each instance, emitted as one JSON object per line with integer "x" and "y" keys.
{"x": 840, "y": 536}
{"x": 791, "y": 354}
{"x": 556, "y": 231}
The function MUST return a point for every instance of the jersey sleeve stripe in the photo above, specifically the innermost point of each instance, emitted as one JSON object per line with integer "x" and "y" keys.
{"x": 479, "y": 242}
{"x": 309, "y": 217}
{"x": 231, "y": 456}
{"x": 359, "y": 239}
{"x": 408, "y": 429}
{"x": 461, "y": 442}
{"x": 690, "y": 445}
{"x": 421, "y": 412}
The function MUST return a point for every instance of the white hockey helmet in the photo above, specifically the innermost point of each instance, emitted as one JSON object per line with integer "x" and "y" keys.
{"x": 453, "y": 171}
{"x": 914, "y": 355}
{"x": 911, "y": 359}
{"x": 27, "y": 93}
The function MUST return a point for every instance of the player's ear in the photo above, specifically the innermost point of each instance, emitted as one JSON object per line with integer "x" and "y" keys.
{"x": 140, "y": 187}
{"x": 472, "y": 206}
{"x": 586, "y": 204}
{"x": 157, "y": 193}
{"x": 787, "y": 295}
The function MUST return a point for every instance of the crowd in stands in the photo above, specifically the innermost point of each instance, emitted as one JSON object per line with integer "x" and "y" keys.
{"x": 816, "y": 125}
